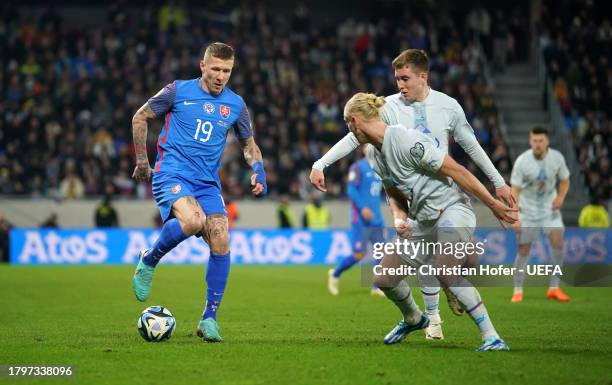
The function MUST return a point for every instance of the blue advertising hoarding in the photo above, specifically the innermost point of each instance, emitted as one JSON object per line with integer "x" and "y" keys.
{"x": 289, "y": 247}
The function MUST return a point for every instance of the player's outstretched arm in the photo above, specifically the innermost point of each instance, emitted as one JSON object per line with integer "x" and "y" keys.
{"x": 253, "y": 157}
{"x": 464, "y": 136}
{"x": 471, "y": 184}
{"x": 143, "y": 170}
{"x": 341, "y": 149}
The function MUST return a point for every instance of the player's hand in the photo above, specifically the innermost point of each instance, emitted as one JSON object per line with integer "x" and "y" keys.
{"x": 557, "y": 203}
{"x": 317, "y": 178}
{"x": 403, "y": 228}
{"x": 367, "y": 214}
{"x": 504, "y": 213}
{"x": 505, "y": 194}
{"x": 142, "y": 172}
{"x": 257, "y": 188}
{"x": 258, "y": 180}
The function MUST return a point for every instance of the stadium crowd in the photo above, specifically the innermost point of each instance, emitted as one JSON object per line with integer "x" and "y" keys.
{"x": 69, "y": 91}
{"x": 576, "y": 41}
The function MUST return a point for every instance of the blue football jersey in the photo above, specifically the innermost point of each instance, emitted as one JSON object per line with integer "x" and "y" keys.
{"x": 364, "y": 188}
{"x": 195, "y": 129}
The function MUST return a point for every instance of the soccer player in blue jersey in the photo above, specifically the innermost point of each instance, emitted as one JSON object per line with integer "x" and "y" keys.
{"x": 364, "y": 188}
{"x": 198, "y": 114}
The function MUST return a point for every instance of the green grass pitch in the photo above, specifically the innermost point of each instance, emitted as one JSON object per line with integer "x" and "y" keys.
{"x": 280, "y": 326}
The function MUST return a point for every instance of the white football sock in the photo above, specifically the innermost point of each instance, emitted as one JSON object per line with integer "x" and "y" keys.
{"x": 557, "y": 259}
{"x": 469, "y": 297}
{"x": 520, "y": 264}
{"x": 401, "y": 295}
{"x": 430, "y": 289}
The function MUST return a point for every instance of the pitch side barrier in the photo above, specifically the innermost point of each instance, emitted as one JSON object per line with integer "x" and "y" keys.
{"x": 271, "y": 247}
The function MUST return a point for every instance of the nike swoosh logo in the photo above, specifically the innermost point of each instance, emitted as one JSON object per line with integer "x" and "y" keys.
{"x": 188, "y": 103}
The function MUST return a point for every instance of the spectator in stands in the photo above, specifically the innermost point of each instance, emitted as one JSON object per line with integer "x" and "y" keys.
{"x": 316, "y": 216}
{"x": 68, "y": 90}
{"x": 286, "y": 218}
{"x": 106, "y": 215}
{"x": 50, "y": 222}
{"x": 5, "y": 228}
{"x": 232, "y": 212}
{"x": 575, "y": 40}
{"x": 594, "y": 215}
{"x": 71, "y": 187}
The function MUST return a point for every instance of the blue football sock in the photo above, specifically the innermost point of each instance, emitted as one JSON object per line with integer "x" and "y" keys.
{"x": 344, "y": 265}
{"x": 216, "y": 279}
{"x": 171, "y": 235}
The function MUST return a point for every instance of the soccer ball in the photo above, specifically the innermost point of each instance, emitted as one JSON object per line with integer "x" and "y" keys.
{"x": 156, "y": 324}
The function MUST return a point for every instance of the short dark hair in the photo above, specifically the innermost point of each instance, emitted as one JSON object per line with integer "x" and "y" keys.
{"x": 537, "y": 130}
{"x": 218, "y": 50}
{"x": 416, "y": 58}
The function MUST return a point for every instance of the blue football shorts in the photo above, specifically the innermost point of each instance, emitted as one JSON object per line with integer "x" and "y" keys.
{"x": 362, "y": 235}
{"x": 168, "y": 188}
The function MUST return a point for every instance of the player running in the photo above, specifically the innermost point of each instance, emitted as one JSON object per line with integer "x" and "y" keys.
{"x": 534, "y": 177}
{"x": 198, "y": 114}
{"x": 438, "y": 116}
{"x": 367, "y": 222}
{"x": 415, "y": 175}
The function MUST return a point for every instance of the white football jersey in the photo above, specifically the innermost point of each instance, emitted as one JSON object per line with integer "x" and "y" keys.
{"x": 409, "y": 160}
{"x": 439, "y": 116}
{"x": 538, "y": 179}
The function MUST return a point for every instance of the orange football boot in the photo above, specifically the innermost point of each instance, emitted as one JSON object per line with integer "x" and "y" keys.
{"x": 517, "y": 297}
{"x": 557, "y": 294}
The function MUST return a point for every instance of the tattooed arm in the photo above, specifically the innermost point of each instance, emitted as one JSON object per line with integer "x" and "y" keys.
{"x": 251, "y": 151}
{"x": 155, "y": 107}
{"x": 143, "y": 170}
{"x": 253, "y": 157}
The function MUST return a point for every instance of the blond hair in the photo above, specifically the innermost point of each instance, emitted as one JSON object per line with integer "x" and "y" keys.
{"x": 365, "y": 104}
{"x": 415, "y": 58}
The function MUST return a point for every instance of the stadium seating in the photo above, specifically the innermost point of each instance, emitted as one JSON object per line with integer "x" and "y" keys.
{"x": 576, "y": 40}
{"x": 71, "y": 90}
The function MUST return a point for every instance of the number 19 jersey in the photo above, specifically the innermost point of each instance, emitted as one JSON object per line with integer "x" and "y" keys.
{"x": 195, "y": 129}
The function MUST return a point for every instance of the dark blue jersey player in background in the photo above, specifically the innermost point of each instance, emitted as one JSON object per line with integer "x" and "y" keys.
{"x": 197, "y": 115}
{"x": 363, "y": 189}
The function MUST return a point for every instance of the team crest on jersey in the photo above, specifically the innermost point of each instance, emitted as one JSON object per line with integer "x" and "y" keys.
{"x": 209, "y": 108}
{"x": 225, "y": 111}
{"x": 418, "y": 150}
{"x": 176, "y": 189}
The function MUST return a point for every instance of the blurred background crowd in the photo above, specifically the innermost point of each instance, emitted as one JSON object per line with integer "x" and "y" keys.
{"x": 70, "y": 88}
{"x": 576, "y": 40}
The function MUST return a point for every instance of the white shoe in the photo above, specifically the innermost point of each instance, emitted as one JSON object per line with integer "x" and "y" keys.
{"x": 434, "y": 330}
{"x": 377, "y": 292}
{"x": 333, "y": 283}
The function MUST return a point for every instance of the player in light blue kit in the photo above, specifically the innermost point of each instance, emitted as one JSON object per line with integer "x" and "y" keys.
{"x": 440, "y": 117}
{"x": 198, "y": 114}
{"x": 425, "y": 188}
{"x": 364, "y": 188}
